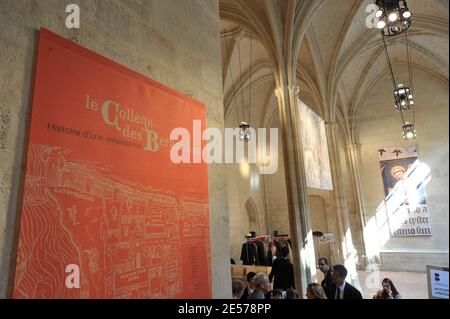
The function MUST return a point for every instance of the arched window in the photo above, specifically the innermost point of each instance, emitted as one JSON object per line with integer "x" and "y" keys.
{"x": 253, "y": 218}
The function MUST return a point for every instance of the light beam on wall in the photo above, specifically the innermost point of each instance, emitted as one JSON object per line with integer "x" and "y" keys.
{"x": 391, "y": 214}
{"x": 254, "y": 181}
{"x": 244, "y": 168}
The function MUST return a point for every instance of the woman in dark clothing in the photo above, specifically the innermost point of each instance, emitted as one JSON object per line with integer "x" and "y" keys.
{"x": 388, "y": 292}
{"x": 283, "y": 271}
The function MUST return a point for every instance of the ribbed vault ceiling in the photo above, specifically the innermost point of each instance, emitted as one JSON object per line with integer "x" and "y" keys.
{"x": 338, "y": 60}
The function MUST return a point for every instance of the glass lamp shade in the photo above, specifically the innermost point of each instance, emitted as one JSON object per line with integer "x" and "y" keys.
{"x": 409, "y": 133}
{"x": 403, "y": 98}
{"x": 244, "y": 132}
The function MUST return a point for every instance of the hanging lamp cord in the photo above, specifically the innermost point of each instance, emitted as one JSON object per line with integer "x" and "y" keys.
{"x": 250, "y": 94}
{"x": 240, "y": 81}
{"x": 228, "y": 58}
{"x": 388, "y": 61}
{"x": 410, "y": 71}
{"x": 392, "y": 73}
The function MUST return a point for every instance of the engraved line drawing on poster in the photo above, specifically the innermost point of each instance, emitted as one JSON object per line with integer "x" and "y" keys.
{"x": 100, "y": 189}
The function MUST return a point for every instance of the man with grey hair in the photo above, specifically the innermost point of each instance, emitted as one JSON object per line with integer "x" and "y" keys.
{"x": 262, "y": 286}
{"x": 237, "y": 288}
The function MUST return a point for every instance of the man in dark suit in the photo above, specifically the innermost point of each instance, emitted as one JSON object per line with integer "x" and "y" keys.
{"x": 340, "y": 289}
{"x": 262, "y": 287}
{"x": 283, "y": 271}
{"x": 327, "y": 282}
{"x": 250, "y": 285}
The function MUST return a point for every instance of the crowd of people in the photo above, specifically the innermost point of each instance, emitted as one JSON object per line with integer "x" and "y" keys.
{"x": 281, "y": 278}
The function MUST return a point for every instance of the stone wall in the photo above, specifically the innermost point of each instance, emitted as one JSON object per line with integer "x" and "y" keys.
{"x": 173, "y": 42}
{"x": 276, "y": 193}
{"x": 354, "y": 217}
{"x": 380, "y": 126}
{"x": 244, "y": 184}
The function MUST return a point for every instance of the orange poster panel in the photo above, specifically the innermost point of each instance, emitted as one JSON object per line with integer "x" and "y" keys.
{"x": 102, "y": 197}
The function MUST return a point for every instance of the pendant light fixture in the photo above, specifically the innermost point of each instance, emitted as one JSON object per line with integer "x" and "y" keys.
{"x": 244, "y": 127}
{"x": 395, "y": 18}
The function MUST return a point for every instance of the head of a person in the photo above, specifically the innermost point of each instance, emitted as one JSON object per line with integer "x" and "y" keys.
{"x": 315, "y": 291}
{"x": 291, "y": 294}
{"x": 339, "y": 274}
{"x": 276, "y": 294}
{"x": 388, "y": 286}
{"x": 262, "y": 282}
{"x": 398, "y": 172}
{"x": 251, "y": 279}
{"x": 273, "y": 249}
{"x": 323, "y": 265}
{"x": 284, "y": 251}
{"x": 237, "y": 287}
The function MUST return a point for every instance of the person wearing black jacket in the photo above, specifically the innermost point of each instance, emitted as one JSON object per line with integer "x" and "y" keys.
{"x": 327, "y": 282}
{"x": 341, "y": 289}
{"x": 261, "y": 253}
{"x": 271, "y": 254}
{"x": 250, "y": 285}
{"x": 283, "y": 271}
{"x": 249, "y": 254}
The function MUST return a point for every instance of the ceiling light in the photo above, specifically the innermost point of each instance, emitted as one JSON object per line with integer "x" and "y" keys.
{"x": 406, "y": 14}
{"x": 393, "y": 17}
{"x": 395, "y": 14}
{"x": 409, "y": 133}
{"x": 381, "y": 24}
{"x": 244, "y": 132}
{"x": 403, "y": 99}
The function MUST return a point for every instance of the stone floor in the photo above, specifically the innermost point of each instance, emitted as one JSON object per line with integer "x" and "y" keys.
{"x": 411, "y": 285}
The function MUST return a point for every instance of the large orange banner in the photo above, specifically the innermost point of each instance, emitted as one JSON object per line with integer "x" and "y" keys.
{"x": 105, "y": 212}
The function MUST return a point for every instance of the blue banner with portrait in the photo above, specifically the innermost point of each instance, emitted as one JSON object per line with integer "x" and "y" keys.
{"x": 404, "y": 180}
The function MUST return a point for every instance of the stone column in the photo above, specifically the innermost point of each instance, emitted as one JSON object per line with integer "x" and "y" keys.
{"x": 297, "y": 194}
{"x": 349, "y": 254}
{"x": 354, "y": 157}
{"x": 338, "y": 201}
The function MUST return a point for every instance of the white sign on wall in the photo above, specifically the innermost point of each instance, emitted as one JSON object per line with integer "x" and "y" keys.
{"x": 437, "y": 282}
{"x": 315, "y": 149}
